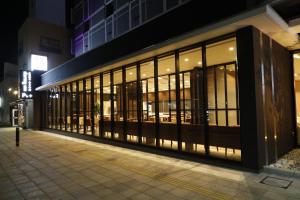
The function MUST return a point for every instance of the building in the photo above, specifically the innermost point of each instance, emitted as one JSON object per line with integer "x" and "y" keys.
{"x": 164, "y": 75}
{"x": 43, "y": 43}
{"x": 39, "y": 9}
{"x": 9, "y": 94}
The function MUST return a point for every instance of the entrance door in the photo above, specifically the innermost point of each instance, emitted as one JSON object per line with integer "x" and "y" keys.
{"x": 14, "y": 117}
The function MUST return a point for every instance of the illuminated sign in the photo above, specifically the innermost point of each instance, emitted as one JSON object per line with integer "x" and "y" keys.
{"x": 26, "y": 85}
{"x": 39, "y": 62}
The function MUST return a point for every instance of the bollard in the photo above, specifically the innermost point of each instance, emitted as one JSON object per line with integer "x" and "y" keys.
{"x": 17, "y": 136}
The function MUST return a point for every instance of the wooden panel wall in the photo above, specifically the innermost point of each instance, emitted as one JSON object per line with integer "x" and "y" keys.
{"x": 265, "y": 72}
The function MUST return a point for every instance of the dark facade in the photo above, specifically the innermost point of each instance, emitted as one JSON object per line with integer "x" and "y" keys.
{"x": 226, "y": 97}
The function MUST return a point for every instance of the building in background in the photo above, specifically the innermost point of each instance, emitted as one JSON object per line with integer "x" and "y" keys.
{"x": 51, "y": 11}
{"x": 9, "y": 94}
{"x": 43, "y": 44}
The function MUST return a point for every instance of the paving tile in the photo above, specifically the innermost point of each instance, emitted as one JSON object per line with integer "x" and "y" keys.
{"x": 48, "y": 166}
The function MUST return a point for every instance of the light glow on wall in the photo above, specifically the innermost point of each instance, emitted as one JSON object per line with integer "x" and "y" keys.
{"x": 1, "y": 102}
{"x": 39, "y": 62}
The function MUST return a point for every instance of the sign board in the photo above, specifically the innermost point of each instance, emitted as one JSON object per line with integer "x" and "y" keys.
{"x": 25, "y": 84}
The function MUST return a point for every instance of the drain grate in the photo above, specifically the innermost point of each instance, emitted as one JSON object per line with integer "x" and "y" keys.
{"x": 276, "y": 182}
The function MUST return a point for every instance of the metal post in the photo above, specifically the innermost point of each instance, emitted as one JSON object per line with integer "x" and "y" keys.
{"x": 17, "y": 136}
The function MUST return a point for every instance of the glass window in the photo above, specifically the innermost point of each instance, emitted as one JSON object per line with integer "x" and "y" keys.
{"x": 121, "y": 21}
{"x": 75, "y": 108}
{"x": 151, "y": 8}
{"x": 221, "y": 52}
{"x": 49, "y": 108}
{"x": 109, "y": 30}
{"x": 69, "y": 107}
{"x": 166, "y": 89}
{"x": 97, "y": 35}
{"x": 118, "y": 104}
{"x": 94, "y": 5}
{"x": 131, "y": 104}
{"x": 297, "y": 89}
{"x": 135, "y": 13}
{"x": 107, "y": 105}
{"x": 120, "y": 3}
{"x": 191, "y": 100}
{"x": 131, "y": 95}
{"x": 222, "y": 97}
{"x": 78, "y": 45}
{"x": 88, "y": 101}
{"x": 148, "y": 103}
{"x": 98, "y": 17}
{"x": 190, "y": 62}
{"x": 59, "y": 117}
{"x": 56, "y": 108}
{"x": 63, "y": 108}
{"x": 97, "y": 113}
{"x": 172, "y": 3}
{"x": 81, "y": 107}
{"x": 167, "y": 102}
{"x": 222, "y": 83}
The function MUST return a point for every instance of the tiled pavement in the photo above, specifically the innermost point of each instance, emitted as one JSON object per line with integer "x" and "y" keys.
{"x": 49, "y": 166}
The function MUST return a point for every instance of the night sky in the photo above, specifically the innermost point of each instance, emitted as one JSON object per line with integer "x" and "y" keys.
{"x": 12, "y": 15}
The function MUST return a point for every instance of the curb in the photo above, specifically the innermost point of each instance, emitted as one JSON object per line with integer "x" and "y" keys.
{"x": 282, "y": 172}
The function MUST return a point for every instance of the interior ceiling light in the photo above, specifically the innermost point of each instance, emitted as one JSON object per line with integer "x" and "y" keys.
{"x": 231, "y": 48}
{"x": 186, "y": 60}
{"x": 168, "y": 69}
{"x": 144, "y": 74}
{"x": 130, "y": 73}
{"x": 297, "y": 56}
{"x": 199, "y": 63}
{"x": 295, "y": 74}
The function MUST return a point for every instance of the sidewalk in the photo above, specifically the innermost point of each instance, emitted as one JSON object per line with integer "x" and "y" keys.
{"x": 49, "y": 166}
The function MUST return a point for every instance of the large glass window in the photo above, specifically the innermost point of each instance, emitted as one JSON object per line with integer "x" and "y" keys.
{"x": 69, "y": 107}
{"x": 107, "y": 106}
{"x": 75, "y": 108}
{"x": 49, "y": 108}
{"x": 131, "y": 104}
{"x": 58, "y": 117}
{"x": 151, "y": 8}
{"x": 121, "y": 21}
{"x": 81, "y": 104}
{"x": 55, "y": 108}
{"x": 135, "y": 13}
{"x": 167, "y": 102}
{"x": 148, "y": 103}
{"x": 97, "y": 102}
{"x": 191, "y": 100}
{"x": 88, "y": 100}
{"x": 98, "y": 17}
{"x": 63, "y": 108}
{"x": 222, "y": 97}
{"x": 222, "y": 83}
{"x": 118, "y": 105}
{"x": 297, "y": 91}
{"x": 97, "y": 35}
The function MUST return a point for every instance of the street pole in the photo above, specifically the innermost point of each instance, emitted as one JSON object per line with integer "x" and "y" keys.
{"x": 17, "y": 136}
